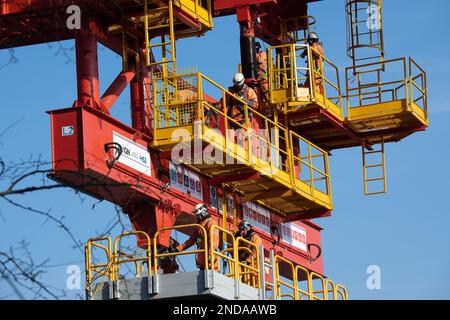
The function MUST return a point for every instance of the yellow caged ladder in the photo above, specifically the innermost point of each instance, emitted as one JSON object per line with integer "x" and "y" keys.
{"x": 374, "y": 159}
{"x": 364, "y": 31}
{"x": 160, "y": 21}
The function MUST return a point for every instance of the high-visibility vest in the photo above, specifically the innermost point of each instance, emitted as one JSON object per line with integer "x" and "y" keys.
{"x": 236, "y": 109}
{"x": 261, "y": 58}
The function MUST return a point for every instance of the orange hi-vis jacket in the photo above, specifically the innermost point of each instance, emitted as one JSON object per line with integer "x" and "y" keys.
{"x": 244, "y": 255}
{"x": 199, "y": 236}
{"x": 317, "y": 61}
{"x": 261, "y": 58}
{"x": 236, "y": 110}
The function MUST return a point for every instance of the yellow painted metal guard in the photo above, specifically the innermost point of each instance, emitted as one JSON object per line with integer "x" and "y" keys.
{"x": 248, "y": 273}
{"x": 187, "y": 117}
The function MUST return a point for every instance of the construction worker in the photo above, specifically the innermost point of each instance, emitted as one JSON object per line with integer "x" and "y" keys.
{"x": 317, "y": 52}
{"x": 235, "y": 108}
{"x": 250, "y": 254}
{"x": 206, "y": 221}
{"x": 261, "y": 58}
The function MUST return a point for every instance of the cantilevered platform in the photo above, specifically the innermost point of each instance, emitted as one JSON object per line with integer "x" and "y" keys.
{"x": 263, "y": 160}
{"x": 387, "y": 101}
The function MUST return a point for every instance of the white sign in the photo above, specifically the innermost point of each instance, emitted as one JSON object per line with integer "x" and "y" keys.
{"x": 257, "y": 216}
{"x": 133, "y": 155}
{"x": 68, "y": 131}
{"x": 185, "y": 181}
{"x": 294, "y": 235}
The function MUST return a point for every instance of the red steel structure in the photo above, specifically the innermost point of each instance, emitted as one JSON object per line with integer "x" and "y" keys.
{"x": 84, "y": 137}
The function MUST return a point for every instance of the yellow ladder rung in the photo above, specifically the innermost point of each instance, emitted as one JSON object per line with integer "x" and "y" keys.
{"x": 159, "y": 44}
{"x": 158, "y": 27}
{"x": 375, "y": 179}
{"x": 374, "y": 166}
{"x": 373, "y": 152}
{"x": 160, "y": 62}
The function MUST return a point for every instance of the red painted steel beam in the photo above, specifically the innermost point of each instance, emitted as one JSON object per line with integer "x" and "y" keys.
{"x": 312, "y": 214}
{"x": 116, "y": 88}
{"x": 216, "y": 181}
{"x": 87, "y": 66}
{"x": 228, "y": 4}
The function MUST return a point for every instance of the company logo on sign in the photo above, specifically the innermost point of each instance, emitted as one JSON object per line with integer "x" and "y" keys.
{"x": 257, "y": 216}
{"x": 133, "y": 155}
{"x": 294, "y": 235}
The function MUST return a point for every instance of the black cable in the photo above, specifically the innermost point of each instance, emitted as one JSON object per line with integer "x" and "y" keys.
{"x": 319, "y": 253}
{"x": 119, "y": 150}
{"x": 273, "y": 231}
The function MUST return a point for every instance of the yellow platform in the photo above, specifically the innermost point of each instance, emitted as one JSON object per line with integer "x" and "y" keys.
{"x": 392, "y": 105}
{"x": 265, "y": 162}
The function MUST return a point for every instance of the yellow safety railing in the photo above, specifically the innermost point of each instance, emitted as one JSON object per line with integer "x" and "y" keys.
{"x": 315, "y": 293}
{"x": 139, "y": 258}
{"x": 228, "y": 255}
{"x": 402, "y": 80}
{"x": 293, "y": 289}
{"x": 294, "y": 82}
{"x": 292, "y": 286}
{"x": 301, "y": 293}
{"x": 311, "y": 168}
{"x": 201, "y": 10}
{"x": 183, "y": 111}
{"x": 296, "y": 29}
{"x": 203, "y": 251}
{"x": 249, "y": 271}
{"x": 96, "y": 271}
{"x": 245, "y": 270}
{"x": 341, "y": 292}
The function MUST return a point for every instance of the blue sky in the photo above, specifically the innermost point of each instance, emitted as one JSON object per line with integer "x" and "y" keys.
{"x": 404, "y": 232}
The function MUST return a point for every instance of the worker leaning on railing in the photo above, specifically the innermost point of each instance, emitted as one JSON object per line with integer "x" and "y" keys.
{"x": 206, "y": 221}
{"x": 246, "y": 231}
{"x": 236, "y": 109}
{"x": 313, "y": 41}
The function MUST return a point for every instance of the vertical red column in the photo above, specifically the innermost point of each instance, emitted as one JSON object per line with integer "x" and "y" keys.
{"x": 87, "y": 66}
{"x": 140, "y": 95}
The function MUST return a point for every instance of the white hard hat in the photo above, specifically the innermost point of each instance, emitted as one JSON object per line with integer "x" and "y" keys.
{"x": 313, "y": 36}
{"x": 200, "y": 210}
{"x": 238, "y": 79}
{"x": 198, "y": 207}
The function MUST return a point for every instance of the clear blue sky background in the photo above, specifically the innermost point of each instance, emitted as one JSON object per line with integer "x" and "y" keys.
{"x": 405, "y": 232}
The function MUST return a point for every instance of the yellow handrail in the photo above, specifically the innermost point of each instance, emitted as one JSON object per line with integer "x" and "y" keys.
{"x": 286, "y": 75}
{"x": 374, "y": 90}
{"x": 157, "y": 255}
{"x": 101, "y": 269}
{"x": 324, "y": 290}
{"x": 132, "y": 258}
{"x": 279, "y": 282}
{"x": 252, "y": 272}
{"x": 247, "y": 273}
{"x": 303, "y": 293}
{"x": 268, "y": 150}
{"x": 231, "y": 261}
